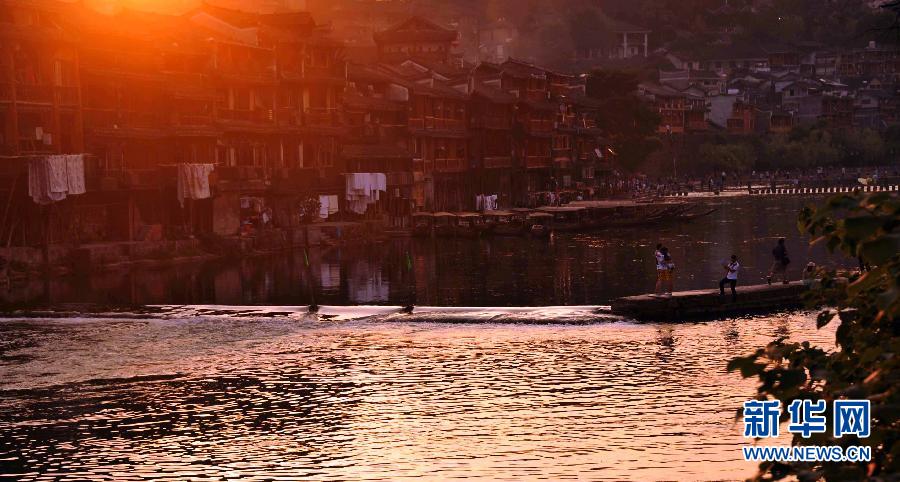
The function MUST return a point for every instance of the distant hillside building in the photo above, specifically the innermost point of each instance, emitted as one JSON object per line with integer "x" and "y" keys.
{"x": 495, "y": 40}
{"x": 415, "y": 37}
{"x": 615, "y": 40}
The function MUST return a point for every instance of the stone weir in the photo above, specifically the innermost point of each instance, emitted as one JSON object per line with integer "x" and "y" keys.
{"x": 700, "y": 304}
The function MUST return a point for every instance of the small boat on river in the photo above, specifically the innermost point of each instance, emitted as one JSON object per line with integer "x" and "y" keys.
{"x": 540, "y": 224}
{"x": 505, "y": 223}
{"x": 566, "y": 218}
{"x": 468, "y": 225}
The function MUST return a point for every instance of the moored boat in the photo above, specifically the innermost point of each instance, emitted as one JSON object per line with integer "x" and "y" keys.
{"x": 565, "y": 218}
{"x": 468, "y": 225}
{"x": 540, "y": 224}
{"x": 505, "y": 223}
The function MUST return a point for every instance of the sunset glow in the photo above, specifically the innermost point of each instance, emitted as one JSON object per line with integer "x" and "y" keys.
{"x": 377, "y": 240}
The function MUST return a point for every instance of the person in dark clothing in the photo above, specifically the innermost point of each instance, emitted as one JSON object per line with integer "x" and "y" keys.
{"x": 779, "y": 265}
{"x": 731, "y": 276}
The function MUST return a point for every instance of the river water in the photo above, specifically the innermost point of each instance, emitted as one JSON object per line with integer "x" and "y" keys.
{"x": 570, "y": 269}
{"x": 264, "y": 393}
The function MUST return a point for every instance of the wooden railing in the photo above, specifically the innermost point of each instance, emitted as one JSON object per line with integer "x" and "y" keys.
{"x": 449, "y": 164}
{"x": 247, "y": 115}
{"x": 320, "y": 116}
{"x": 540, "y": 126}
{"x": 193, "y": 119}
{"x": 497, "y": 162}
{"x": 109, "y": 117}
{"x": 437, "y": 123}
{"x": 533, "y": 162}
{"x": 491, "y": 122}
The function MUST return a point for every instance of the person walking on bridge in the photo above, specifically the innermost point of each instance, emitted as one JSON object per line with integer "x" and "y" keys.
{"x": 660, "y": 268}
{"x": 731, "y": 277}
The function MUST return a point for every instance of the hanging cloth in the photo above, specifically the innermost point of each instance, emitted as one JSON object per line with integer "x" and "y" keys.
{"x": 193, "y": 181}
{"x": 75, "y": 173}
{"x": 52, "y": 178}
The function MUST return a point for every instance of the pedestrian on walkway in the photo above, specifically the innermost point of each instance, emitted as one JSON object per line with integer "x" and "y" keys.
{"x": 731, "y": 277}
{"x": 668, "y": 273}
{"x": 660, "y": 268}
{"x": 779, "y": 265}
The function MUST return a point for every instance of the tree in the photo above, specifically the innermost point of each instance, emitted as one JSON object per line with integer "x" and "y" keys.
{"x": 720, "y": 157}
{"x": 628, "y": 122}
{"x": 866, "y": 364}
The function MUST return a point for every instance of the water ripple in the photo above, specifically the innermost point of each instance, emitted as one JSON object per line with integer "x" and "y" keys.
{"x": 276, "y": 398}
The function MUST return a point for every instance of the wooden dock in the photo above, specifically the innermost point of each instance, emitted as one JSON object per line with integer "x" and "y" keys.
{"x": 699, "y": 304}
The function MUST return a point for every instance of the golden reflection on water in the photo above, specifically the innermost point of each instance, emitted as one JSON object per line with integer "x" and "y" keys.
{"x": 227, "y": 398}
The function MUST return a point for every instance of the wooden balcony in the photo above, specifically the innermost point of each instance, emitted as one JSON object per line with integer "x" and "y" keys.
{"x": 377, "y": 132}
{"x": 241, "y": 173}
{"x": 399, "y": 178}
{"x": 39, "y": 94}
{"x": 499, "y": 123}
{"x": 537, "y": 162}
{"x": 321, "y": 116}
{"x": 437, "y": 123}
{"x": 114, "y": 118}
{"x": 189, "y": 119}
{"x": 260, "y": 116}
{"x": 255, "y": 75}
{"x": 450, "y": 164}
{"x": 498, "y": 162}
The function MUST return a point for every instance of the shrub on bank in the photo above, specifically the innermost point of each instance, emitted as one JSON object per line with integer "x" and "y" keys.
{"x": 866, "y": 363}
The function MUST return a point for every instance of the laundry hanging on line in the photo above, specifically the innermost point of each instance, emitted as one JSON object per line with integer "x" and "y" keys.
{"x": 328, "y": 205}
{"x": 52, "y": 178}
{"x": 363, "y": 189}
{"x": 486, "y": 202}
{"x": 193, "y": 181}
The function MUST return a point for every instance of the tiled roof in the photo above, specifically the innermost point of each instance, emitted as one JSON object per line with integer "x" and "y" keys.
{"x": 494, "y": 94}
{"x": 415, "y": 29}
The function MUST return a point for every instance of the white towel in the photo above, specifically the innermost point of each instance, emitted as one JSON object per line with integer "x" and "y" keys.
{"x": 75, "y": 173}
{"x": 57, "y": 180}
{"x": 363, "y": 189}
{"x": 52, "y": 178}
{"x": 37, "y": 181}
{"x": 193, "y": 181}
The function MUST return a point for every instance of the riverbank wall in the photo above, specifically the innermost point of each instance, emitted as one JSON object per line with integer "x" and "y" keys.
{"x": 26, "y": 261}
